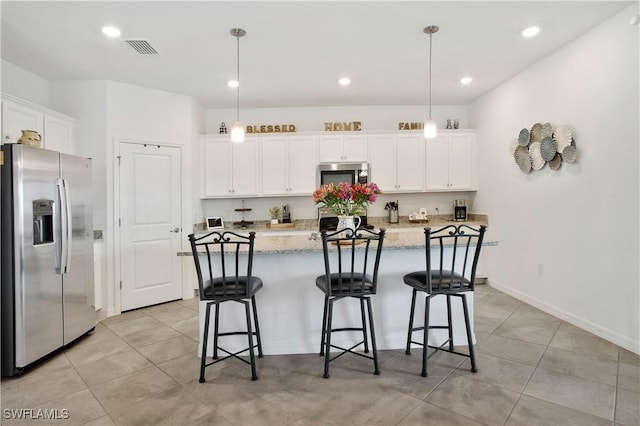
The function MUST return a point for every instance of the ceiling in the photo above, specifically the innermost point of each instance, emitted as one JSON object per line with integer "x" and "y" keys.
{"x": 295, "y": 52}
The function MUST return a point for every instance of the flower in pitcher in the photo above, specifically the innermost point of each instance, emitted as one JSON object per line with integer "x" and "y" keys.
{"x": 345, "y": 199}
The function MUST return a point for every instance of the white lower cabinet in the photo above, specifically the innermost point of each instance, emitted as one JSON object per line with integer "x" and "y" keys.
{"x": 230, "y": 169}
{"x": 288, "y": 165}
{"x": 451, "y": 162}
{"x": 397, "y": 162}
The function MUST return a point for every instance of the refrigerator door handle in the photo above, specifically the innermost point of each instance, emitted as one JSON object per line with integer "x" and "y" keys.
{"x": 66, "y": 229}
{"x": 59, "y": 232}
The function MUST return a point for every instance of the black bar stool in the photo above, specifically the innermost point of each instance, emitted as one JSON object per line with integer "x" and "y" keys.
{"x": 453, "y": 274}
{"x": 349, "y": 272}
{"x": 227, "y": 278}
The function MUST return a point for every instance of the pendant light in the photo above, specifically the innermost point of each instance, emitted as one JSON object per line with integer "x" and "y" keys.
{"x": 237, "y": 130}
{"x": 430, "y": 126}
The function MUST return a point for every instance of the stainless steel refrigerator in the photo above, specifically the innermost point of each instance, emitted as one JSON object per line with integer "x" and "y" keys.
{"x": 46, "y": 253}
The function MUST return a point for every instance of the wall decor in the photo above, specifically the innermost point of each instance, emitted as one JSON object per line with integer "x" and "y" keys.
{"x": 272, "y": 128}
{"x": 411, "y": 126}
{"x": 352, "y": 126}
{"x": 542, "y": 144}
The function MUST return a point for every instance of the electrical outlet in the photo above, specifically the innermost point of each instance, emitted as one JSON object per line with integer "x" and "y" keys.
{"x": 540, "y": 269}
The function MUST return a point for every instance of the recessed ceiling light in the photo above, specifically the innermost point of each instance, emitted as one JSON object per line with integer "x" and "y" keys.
{"x": 111, "y": 31}
{"x": 344, "y": 81}
{"x": 530, "y": 32}
{"x": 466, "y": 80}
{"x": 233, "y": 83}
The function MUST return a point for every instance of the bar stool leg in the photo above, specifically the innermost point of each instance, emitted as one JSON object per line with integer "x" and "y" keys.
{"x": 364, "y": 325}
{"x": 425, "y": 348}
{"x": 255, "y": 319}
{"x": 374, "y": 347}
{"x": 410, "y": 332}
{"x": 254, "y": 375}
{"x": 472, "y": 354}
{"x": 449, "y": 322}
{"x": 327, "y": 348}
{"x": 205, "y": 338}
{"x": 324, "y": 325}
{"x": 215, "y": 330}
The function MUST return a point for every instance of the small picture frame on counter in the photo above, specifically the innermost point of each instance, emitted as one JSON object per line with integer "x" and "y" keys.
{"x": 214, "y": 223}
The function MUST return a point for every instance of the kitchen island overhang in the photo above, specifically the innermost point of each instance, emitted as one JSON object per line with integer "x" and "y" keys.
{"x": 291, "y": 307}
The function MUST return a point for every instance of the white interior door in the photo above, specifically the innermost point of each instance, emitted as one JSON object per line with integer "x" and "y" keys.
{"x": 150, "y": 206}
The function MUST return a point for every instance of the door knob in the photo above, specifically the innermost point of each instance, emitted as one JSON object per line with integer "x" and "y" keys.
{"x": 176, "y": 230}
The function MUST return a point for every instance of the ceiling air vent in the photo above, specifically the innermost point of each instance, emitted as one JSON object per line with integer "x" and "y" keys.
{"x": 142, "y": 47}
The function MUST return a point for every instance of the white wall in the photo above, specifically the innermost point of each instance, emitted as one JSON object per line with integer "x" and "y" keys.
{"x": 312, "y": 119}
{"x": 581, "y": 222}
{"x": 87, "y": 102}
{"x": 302, "y": 207}
{"x": 146, "y": 115}
{"x": 19, "y": 82}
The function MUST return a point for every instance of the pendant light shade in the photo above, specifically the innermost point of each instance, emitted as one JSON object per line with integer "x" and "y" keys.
{"x": 237, "y": 130}
{"x": 430, "y": 126}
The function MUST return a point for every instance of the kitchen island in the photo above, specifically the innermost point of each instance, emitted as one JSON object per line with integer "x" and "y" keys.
{"x": 290, "y": 307}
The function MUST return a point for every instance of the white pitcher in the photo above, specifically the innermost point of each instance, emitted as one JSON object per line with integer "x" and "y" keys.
{"x": 352, "y": 222}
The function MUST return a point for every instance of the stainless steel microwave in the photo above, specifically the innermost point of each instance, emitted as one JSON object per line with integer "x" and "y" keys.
{"x": 343, "y": 172}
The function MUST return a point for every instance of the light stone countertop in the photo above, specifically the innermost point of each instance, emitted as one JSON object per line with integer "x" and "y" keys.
{"x": 304, "y": 237}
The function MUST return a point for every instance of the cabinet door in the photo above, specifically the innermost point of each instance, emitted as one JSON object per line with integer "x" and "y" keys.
{"x": 58, "y": 134}
{"x": 461, "y": 162}
{"x": 437, "y": 151}
{"x": 244, "y": 168}
{"x": 382, "y": 160}
{"x": 410, "y": 162}
{"x": 330, "y": 149}
{"x": 355, "y": 148}
{"x": 216, "y": 168}
{"x": 16, "y": 118}
{"x": 275, "y": 166}
{"x": 302, "y": 165}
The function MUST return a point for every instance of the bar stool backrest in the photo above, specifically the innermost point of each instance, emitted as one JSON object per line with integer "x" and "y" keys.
{"x": 351, "y": 260}
{"x": 225, "y": 259}
{"x": 452, "y": 254}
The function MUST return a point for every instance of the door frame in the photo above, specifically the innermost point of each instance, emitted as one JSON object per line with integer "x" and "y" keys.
{"x": 116, "y": 213}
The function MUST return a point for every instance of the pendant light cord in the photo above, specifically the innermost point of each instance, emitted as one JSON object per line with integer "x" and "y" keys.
{"x": 238, "y": 79}
{"x": 430, "y": 53}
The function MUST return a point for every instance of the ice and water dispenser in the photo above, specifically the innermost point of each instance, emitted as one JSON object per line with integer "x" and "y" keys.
{"x": 42, "y": 222}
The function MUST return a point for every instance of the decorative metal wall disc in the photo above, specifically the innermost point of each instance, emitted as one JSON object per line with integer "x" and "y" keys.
{"x": 548, "y": 149}
{"x": 523, "y": 138}
{"x": 556, "y": 162}
{"x": 522, "y": 159}
{"x": 537, "y": 162}
{"x": 536, "y": 133}
{"x": 547, "y": 130}
{"x": 569, "y": 154}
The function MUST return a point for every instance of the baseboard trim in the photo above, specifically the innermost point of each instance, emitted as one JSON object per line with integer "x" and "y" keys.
{"x": 609, "y": 335}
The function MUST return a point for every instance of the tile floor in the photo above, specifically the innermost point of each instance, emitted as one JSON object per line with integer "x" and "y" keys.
{"x": 141, "y": 368}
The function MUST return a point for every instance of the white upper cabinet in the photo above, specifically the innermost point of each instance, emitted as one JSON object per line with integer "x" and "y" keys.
{"x": 55, "y": 129}
{"x": 341, "y": 148}
{"x": 230, "y": 169}
{"x": 16, "y": 118}
{"x": 397, "y": 162}
{"x": 58, "y": 134}
{"x": 288, "y": 165}
{"x": 451, "y": 162}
